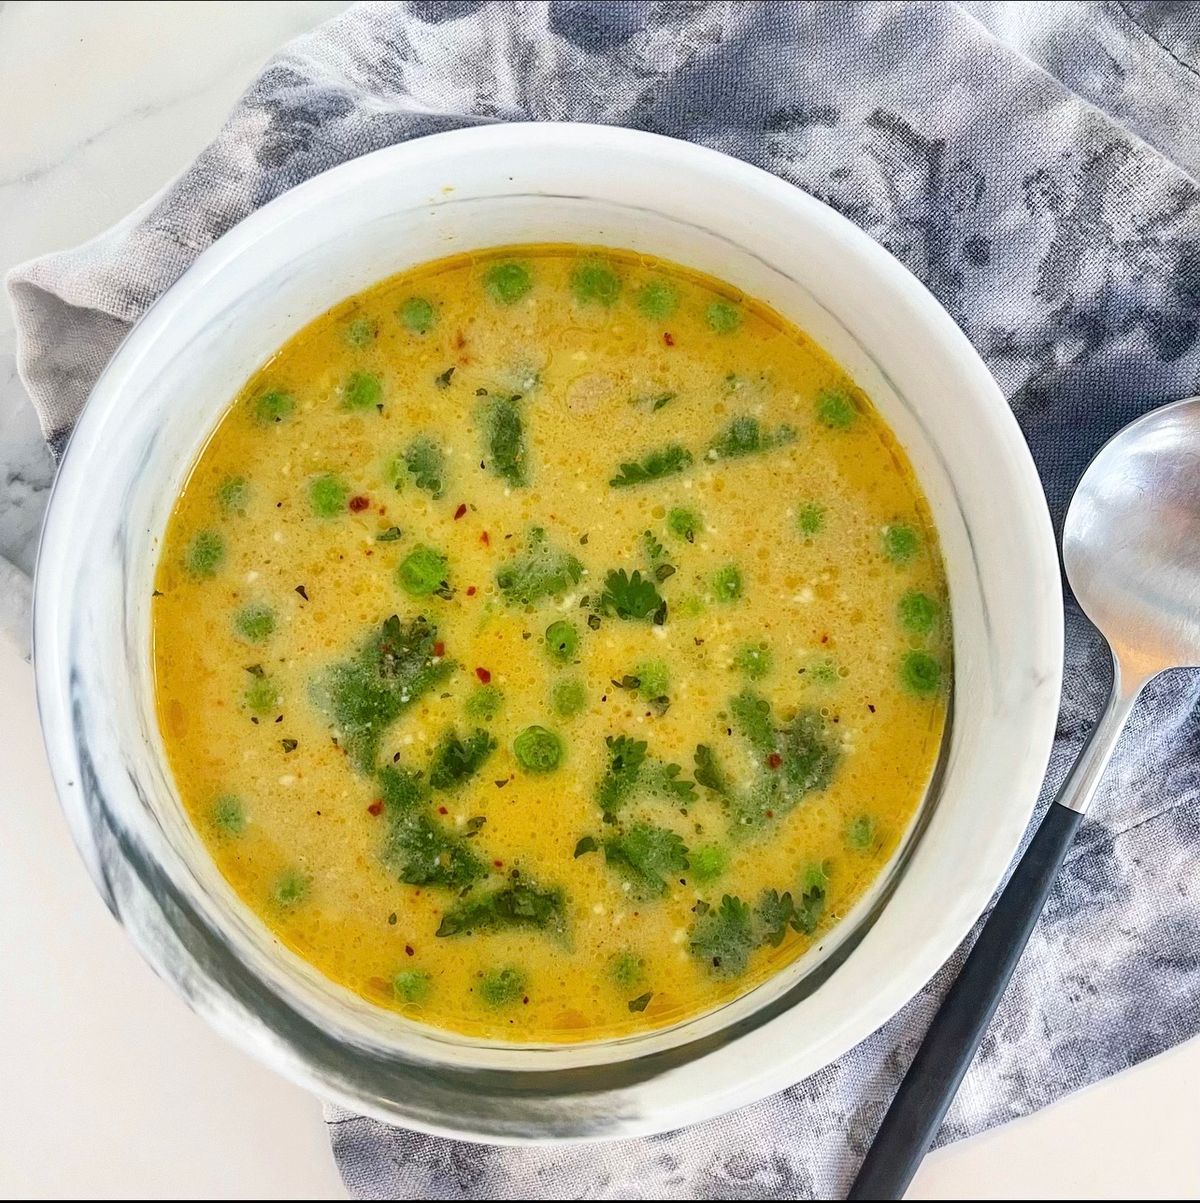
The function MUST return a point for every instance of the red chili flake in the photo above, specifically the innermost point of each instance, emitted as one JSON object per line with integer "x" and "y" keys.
{"x": 498, "y": 863}
{"x": 470, "y": 590}
{"x": 824, "y": 638}
{"x": 439, "y": 649}
{"x": 376, "y": 808}
{"x": 460, "y": 339}
{"x": 462, "y": 509}
{"x": 357, "y": 504}
{"x": 483, "y": 675}
{"x": 408, "y": 950}
{"x": 442, "y": 810}
{"x": 770, "y": 814}
{"x": 668, "y": 338}
{"x": 383, "y": 509}
{"x": 485, "y": 539}
{"x": 774, "y": 760}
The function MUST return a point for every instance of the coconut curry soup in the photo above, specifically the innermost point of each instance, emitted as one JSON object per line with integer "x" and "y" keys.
{"x": 550, "y": 644}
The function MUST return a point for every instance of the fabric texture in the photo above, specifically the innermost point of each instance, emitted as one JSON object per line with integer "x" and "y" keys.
{"x": 1034, "y": 165}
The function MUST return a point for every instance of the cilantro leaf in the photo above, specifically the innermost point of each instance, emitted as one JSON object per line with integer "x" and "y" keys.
{"x": 541, "y": 571}
{"x": 426, "y": 464}
{"x": 654, "y": 465}
{"x": 647, "y": 856}
{"x": 723, "y": 937}
{"x": 363, "y": 695}
{"x": 772, "y": 915}
{"x": 519, "y": 904}
{"x": 632, "y": 597}
{"x": 504, "y": 438}
{"x": 455, "y": 760}
{"x": 626, "y": 757}
{"x": 708, "y": 772}
{"x": 745, "y": 436}
{"x": 811, "y": 908}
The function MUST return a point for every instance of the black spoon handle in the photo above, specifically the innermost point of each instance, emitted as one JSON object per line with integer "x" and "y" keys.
{"x": 954, "y": 1036}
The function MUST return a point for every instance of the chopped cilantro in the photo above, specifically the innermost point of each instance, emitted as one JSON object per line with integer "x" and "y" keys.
{"x": 811, "y": 907}
{"x": 456, "y": 760}
{"x": 504, "y": 438}
{"x": 723, "y": 937}
{"x": 708, "y": 773}
{"x": 625, "y": 759}
{"x": 744, "y": 436}
{"x": 627, "y": 969}
{"x": 654, "y": 465}
{"x": 420, "y": 850}
{"x": 425, "y": 462}
{"x": 647, "y": 856}
{"x": 773, "y": 914}
{"x": 708, "y": 862}
{"x": 633, "y": 598}
{"x": 541, "y": 571}
{"x": 860, "y": 832}
{"x": 362, "y": 696}
{"x": 518, "y": 904}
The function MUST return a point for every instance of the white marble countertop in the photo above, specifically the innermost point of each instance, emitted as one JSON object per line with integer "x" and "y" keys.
{"x": 115, "y": 1088}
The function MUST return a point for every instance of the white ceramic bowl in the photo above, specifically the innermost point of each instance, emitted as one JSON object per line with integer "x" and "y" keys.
{"x": 163, "y": 393}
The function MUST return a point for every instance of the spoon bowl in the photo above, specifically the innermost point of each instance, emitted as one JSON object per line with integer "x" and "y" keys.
{"x": 1131, "y": 541}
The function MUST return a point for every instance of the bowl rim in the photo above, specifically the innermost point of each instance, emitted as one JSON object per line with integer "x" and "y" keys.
{"x": 1044, "y": 591}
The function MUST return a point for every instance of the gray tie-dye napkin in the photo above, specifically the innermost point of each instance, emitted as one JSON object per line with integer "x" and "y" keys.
{"x": 1034, "y": 165}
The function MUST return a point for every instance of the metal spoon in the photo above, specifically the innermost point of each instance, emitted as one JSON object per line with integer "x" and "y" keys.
{"x": 1131, "y": 548}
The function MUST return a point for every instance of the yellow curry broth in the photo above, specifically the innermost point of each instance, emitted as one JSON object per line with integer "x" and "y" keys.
{"x": 827, "y": 528}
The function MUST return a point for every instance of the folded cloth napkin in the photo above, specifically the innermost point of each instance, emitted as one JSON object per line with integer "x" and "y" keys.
{"x": 1031, "y": 164}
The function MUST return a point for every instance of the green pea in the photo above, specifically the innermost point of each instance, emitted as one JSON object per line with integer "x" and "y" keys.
{"x": 361, "y": 332}
{"x": 255, "y": 622}
{"x": 723, "y": 317}
{"x": 684, "y": 524}
{"x": 627, "y": 969}
{"x": 658, "y": 299}
{"x": 507, "y": 283}
{"x": 229, "y": 814}
{"x": 205, "y": 554}
{"x": 595, "y": 283}
{"x": 821, "y": 672}
{"x": 363, "y": 391}
{"x": 411, "y": 985}
{"x": 810, "y": 518}
{"x": 920, "y": 673}
{"x": 727, "y": 583}
{"x": 327, "y": 495}
{"x": 538, "y": 750}
{"x": 860, "y": 832}
{"x": 273, "y": 406}
{"x": 291, "y": 887}
{"x": 900, "y": 542}
{"x": 654, "y": 681}
{"x": 484, "y": 703}
{"x": 233, "y": 493}
{"x": 754, "y": 661}
{"x": 917, "y": 612}
{"x": 561, "y": 641}
{"x": 708, "y": 862}
{"x": 417, "y": 314}
{"x": 568, "y": 697}
{"x": 422, "y": 572}
{"x": 501, "y": 987}
{"x": 262, "y": 697}
{"x": 835, "y": 410}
